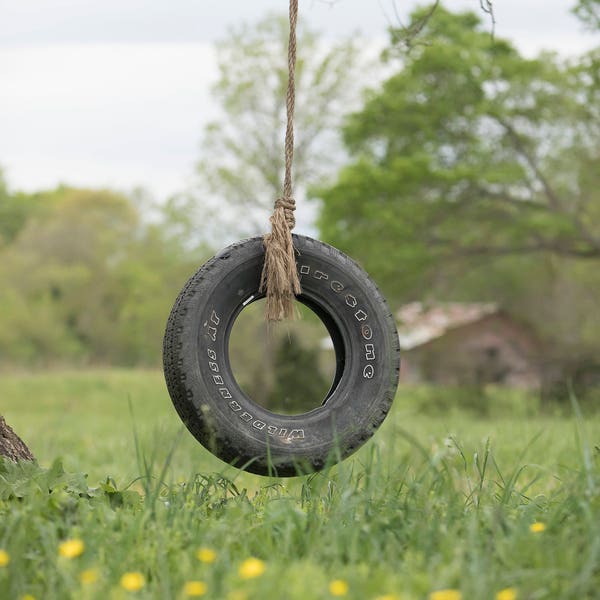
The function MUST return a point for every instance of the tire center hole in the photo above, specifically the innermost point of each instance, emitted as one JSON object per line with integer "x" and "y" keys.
{"x": 288, "y": 367}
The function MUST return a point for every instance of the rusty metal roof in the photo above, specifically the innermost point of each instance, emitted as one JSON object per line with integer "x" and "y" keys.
{"x": 419, "y": 322}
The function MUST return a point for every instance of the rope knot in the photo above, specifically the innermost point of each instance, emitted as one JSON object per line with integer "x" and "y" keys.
{"x": 288, "y": 205}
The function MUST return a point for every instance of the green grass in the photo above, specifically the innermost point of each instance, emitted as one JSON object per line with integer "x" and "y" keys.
{"x": 439, "y": 499}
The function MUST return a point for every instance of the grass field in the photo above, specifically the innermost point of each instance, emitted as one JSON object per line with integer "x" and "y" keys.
{"x": 440, "y": 505}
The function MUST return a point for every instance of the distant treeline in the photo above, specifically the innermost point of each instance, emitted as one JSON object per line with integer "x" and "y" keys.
{"x": 87, "y": 277}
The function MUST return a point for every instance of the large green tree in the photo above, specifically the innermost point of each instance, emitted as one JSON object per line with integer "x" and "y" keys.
{"x": 466, "y": 153}
{"x": 240, "y": 172}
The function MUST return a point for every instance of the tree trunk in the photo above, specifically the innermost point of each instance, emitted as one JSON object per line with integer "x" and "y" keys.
{"x": 11, "y": 445}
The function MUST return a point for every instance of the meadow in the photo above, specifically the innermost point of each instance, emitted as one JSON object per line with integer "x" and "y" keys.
{"x": 446, "y": 502}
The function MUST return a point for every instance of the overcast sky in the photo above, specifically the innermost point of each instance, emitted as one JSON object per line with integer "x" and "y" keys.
{"x": 115, "y": 93}
{"x": 191, "y": 21}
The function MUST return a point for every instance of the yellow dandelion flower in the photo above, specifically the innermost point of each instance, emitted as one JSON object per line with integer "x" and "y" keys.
{"x": 133, "y": 581}
{"x": 194, "y": 588}
{"x": 206, "y": 555}
{"x": 338, "y": 587}
{"x": 89, "y": 576}
{"x": 27, "y": 597}
{"x": 445, "y": 595}
{"x": 507, "y": 594}
{"x": 537, "y": 527}
{"x": 71, "y": 548}
{"x": 251, "y": 568}
{"x": 4, "y": 558}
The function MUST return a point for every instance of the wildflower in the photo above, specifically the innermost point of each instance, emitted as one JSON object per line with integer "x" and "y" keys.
{"x": 507, "y": 594}
{"x": 537, "y": 527}
{"x": 206, "y": 555}
{"x": 88, "y": 576}
{"x": 338, "y": 587}
{"x": 445, "y": 595}
{"x": 251, "y": 568}
{"x": 133, "y": 581}
{"x": 4, "y": 558}
{"x": 194, "y": 588}
{"x": 71, "y": 548}
{"x": 27, "y": 597}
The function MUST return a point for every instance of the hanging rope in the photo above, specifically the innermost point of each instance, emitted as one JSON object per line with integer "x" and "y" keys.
{"x": 279, "y": 277}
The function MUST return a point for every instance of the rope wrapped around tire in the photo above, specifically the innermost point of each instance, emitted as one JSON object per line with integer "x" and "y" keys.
{"x": 224, "y": 419}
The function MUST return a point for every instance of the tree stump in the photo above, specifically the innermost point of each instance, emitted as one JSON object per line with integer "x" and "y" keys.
{"x": 11, "y": 445}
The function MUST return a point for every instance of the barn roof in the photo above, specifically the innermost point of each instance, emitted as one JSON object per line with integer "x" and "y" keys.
{"x": 419, "y": 322}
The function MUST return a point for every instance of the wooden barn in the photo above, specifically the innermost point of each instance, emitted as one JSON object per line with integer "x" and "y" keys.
{"x": 466, "y": 344}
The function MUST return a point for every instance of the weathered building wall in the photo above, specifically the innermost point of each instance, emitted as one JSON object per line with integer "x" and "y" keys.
{"x": 495, "y": 349}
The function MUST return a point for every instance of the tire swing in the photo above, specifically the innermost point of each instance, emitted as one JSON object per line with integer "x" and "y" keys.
{"x": 283, "y": 267}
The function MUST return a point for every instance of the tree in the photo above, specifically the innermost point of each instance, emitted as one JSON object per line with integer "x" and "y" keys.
{"x": 15, "y": 210}
{"x": 87, "y": 279}
{"x": 11, "y": 445}
{"x": 240, "y": 173}
{"x": 293, "y": 392}
{"x": 589, "y": 12}
{"x": 468, "y": 152}
{"x": 58, "y": 297}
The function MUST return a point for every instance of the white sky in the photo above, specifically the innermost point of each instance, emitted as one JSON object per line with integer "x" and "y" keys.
{"x": 116, "y": 92}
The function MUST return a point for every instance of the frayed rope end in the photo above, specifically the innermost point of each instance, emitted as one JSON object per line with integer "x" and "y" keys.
{"x": 280, "y": 275}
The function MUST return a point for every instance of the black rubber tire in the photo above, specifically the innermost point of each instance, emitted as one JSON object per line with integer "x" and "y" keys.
{"x": 236, "y": 429}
